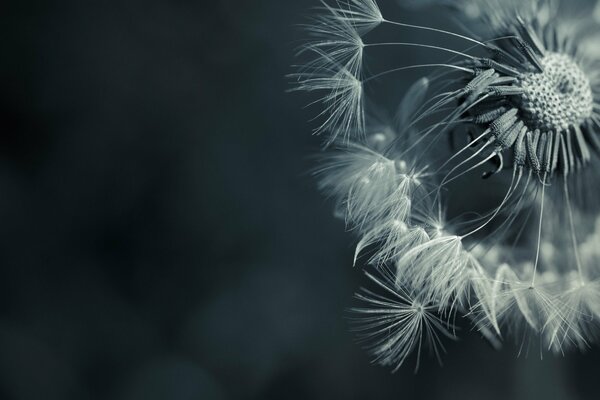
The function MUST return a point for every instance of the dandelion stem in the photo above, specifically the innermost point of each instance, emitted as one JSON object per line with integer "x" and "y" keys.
{"x": 539, "y": 238}
{"x": 512, "y": 188}
{"x": 514, "y": 212}
{"x": 572, "y": 227}
{"x": 427, "y": 46}
{"x": 426, "y": 28}
{"x": 447, "y": 178}
{"x": 477, "y": 139}
{"x": 379, "y": 75}
{"x": 526, "y": 219}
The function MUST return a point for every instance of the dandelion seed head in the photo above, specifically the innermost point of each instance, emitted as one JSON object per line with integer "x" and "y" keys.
{"x": 558, "y": 98}
{"x": 515, "y": 105}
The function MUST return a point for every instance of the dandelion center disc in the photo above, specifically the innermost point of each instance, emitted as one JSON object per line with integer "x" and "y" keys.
{"x": 558, "y": 98}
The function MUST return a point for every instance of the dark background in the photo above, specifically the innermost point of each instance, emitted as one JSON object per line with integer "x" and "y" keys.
{"x": 159, "y": 235}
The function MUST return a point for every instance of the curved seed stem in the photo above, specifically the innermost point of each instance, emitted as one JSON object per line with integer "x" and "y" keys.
{"x": 572, "y": 227}
{"x": 539, "y": 239}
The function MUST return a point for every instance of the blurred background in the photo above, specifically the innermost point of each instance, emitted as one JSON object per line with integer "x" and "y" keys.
{"x": 160, "y": 237}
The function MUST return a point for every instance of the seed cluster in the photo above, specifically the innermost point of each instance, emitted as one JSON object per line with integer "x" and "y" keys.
{"x": 557, "y": 98}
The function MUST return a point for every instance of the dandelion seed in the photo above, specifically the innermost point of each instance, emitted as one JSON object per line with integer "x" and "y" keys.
{"x": 394, "y": 238}
{"x": 441, "y": 268}
{"x": 412, "y": 101}
{"x": 343, "y": 99}
{"x": 337, "y": 43}
{"x": 360, "y": 179}
{"x": 527, "y": 311}
{"x": 363, "y": 14}
{"x": 580, "y": 305}
{"x": 396, "y": 322}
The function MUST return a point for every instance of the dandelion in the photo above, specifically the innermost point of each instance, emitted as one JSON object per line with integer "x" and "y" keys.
{"x": 513, "y": 115}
